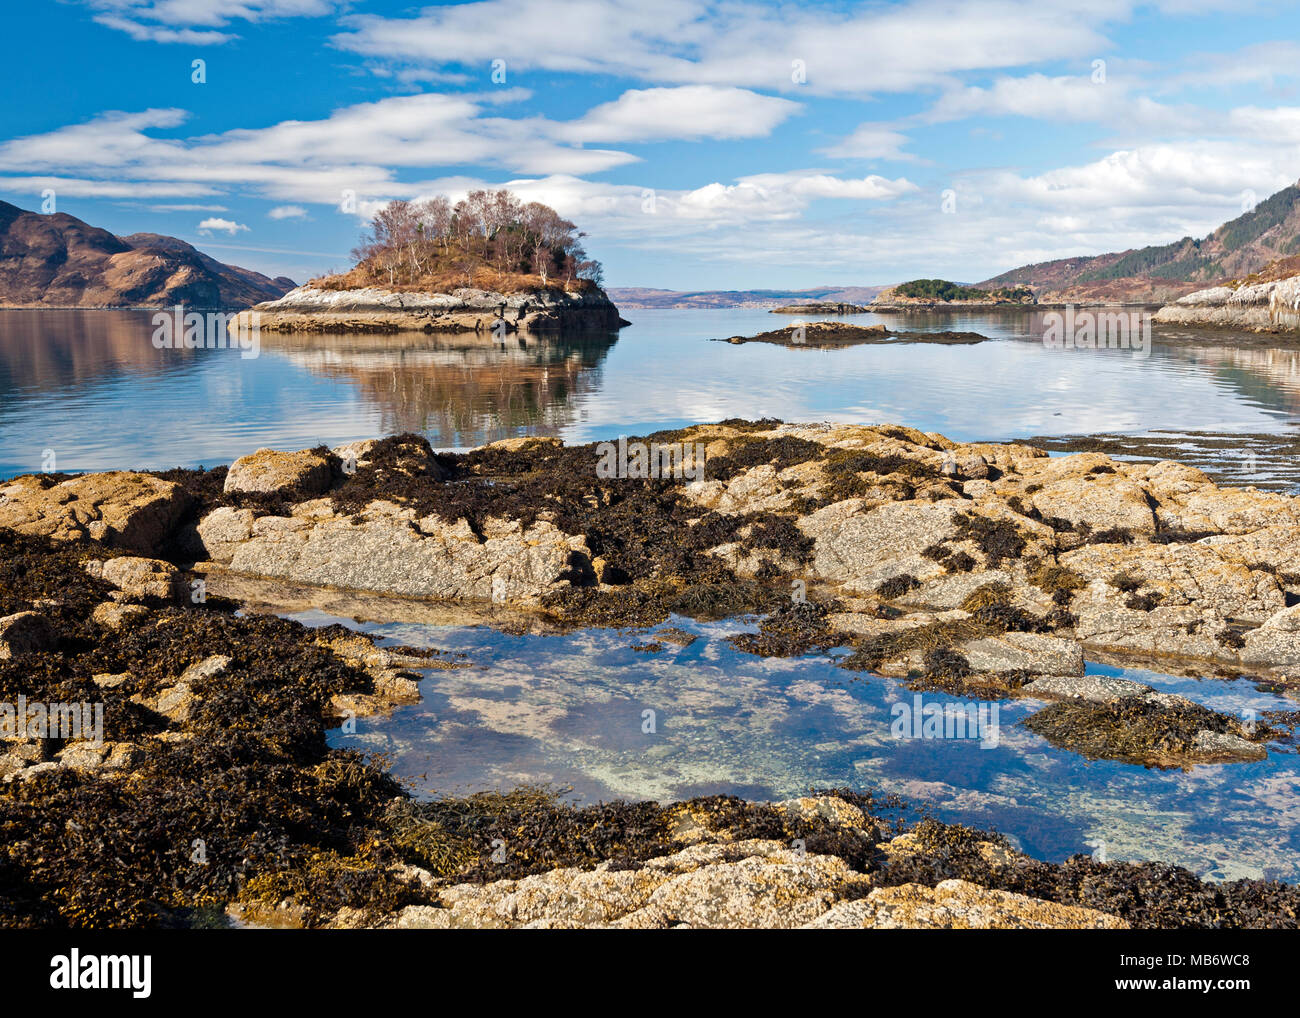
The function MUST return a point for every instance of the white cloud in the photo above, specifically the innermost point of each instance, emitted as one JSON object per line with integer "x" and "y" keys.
{"x": 690, "y": 111}
{"x": 287, "y": 212}
{"x": 195, "y": 22}
{"x": 227, "y": 225}
{"x": 871, "y": 141}
{"x": 752, "y": 45}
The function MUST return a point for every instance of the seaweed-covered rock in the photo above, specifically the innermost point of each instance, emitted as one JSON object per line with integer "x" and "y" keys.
{"x": 25, "y": 633}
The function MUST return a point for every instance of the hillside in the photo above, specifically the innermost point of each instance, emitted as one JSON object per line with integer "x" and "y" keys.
{"x": 1242, "y": 246}
{"x": 59, "y": 261}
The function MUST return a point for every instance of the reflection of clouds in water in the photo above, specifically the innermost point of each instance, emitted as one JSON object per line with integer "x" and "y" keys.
{"x": 568, "y": 711}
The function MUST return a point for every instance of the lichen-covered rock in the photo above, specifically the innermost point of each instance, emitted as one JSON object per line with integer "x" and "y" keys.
{"x": 118, "y": 509}
{"x": 268, "y": 472}
{"x": 139, "y": 577}
{"x": 959, "y": 905}
{"x": 385, "y": 549}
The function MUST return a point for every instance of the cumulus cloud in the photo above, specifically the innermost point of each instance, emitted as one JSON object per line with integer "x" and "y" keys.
{"x": 287, "y": 212}
{"x": 216, "y": 224}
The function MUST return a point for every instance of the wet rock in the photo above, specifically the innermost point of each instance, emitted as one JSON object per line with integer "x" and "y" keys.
{"x": 119, "y": 509}
{"x": 959, "y": 905}
{"x": 25, "y": 633}
{"x": 1227, "y": 746}
{"x": 269, "y": 472}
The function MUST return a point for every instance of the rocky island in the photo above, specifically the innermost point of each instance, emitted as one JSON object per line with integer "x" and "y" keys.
{"x": 489, "y": 263}
{"x": 940, "y": 294}
{"x": 985, "y": 569}
{"x": 835, "y": 335}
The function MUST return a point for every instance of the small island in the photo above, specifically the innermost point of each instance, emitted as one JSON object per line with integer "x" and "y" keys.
{"x": 820, "y": 308}
{"x": 835, "y": 335}
{"x": 488, "y": 264}
{"x": 926, "y": 294}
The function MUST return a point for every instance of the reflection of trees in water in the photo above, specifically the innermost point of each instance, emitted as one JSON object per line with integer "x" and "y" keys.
{"x": 459, "y": 389}
{"x": 47, "y": 349}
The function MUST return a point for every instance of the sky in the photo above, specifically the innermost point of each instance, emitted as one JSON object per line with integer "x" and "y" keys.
{"x": 734, "y": 145}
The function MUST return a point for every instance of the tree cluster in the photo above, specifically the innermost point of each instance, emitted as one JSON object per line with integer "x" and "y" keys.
{"x": 411, "y": 241}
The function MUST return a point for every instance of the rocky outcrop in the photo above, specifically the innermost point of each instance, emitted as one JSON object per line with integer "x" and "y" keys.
{"x": 1271, "y": 306}
{"x": 374, "y": 309}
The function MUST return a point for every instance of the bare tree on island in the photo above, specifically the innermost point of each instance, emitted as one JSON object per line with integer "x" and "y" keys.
{"x": 431, "y": 244}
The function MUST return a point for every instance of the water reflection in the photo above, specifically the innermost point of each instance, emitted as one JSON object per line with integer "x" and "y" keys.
{"x": 464, "y": 389}
{"x": 90, "y": 385}
{"x": 570, "y": 710}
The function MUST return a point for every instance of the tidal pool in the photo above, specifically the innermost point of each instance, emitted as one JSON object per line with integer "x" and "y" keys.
{"x": 571, "y": 711}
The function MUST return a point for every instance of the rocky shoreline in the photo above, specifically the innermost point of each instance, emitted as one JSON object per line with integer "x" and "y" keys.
{"x": 1270, "y": 306}
{"x": 374, "y": 309}
{"x": 988, "y": 570}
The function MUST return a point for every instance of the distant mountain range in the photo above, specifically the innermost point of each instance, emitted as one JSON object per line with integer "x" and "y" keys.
{"x": 57, "y": 260}
{"x": 1237, "y": 249}
{"x": 644, "y": 297}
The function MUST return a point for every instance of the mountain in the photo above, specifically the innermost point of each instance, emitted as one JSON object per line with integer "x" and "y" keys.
{"x": 58, "y": 261}
{"x": 644, "y": 297}
{"x": 1165, "y": 272}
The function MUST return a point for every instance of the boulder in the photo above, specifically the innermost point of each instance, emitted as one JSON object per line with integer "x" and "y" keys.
{"x": 119, "y": 509}
{"x": 140, "y": 577}
{"x": 268, "y": 472}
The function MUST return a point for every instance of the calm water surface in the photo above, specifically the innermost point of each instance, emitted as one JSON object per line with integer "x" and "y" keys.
{"x": 91, "y": 387}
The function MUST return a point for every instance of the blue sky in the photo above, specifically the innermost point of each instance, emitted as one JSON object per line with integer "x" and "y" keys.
{"x": 701, "y": 146}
